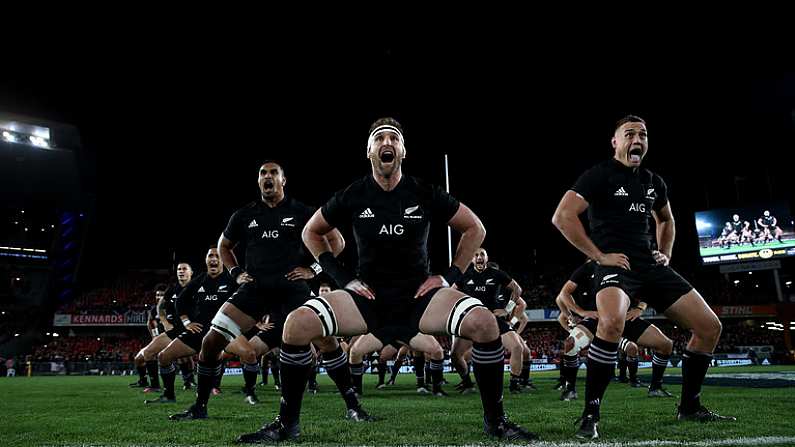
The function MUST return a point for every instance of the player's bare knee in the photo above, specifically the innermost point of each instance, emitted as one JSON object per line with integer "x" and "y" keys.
{"x": 164, "y": 358}
{"x": 248, "y": 356}
{"x": 611, "y": 327}
{"x": 481, "y": 326}
{"x": 666, "y": 347}
{"x": 301, "y": 327}
{"x": 437, "y": 354}
{"x": 326, "y": 344}
{"x": 631, "y": 349}
{"x": 568, "y": 344}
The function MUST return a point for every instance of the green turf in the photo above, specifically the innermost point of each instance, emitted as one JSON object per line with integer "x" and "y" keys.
{"x": 716, "y": 251}
{"x": 103, "y": 410}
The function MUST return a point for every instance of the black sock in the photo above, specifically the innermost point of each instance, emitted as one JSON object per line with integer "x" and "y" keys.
{"x": 338, "y": 370}
{"x": 632, "y": 367}
{"x": 395, "y": 369}
{"x": 622, "y": 367}
{"x": 219, "y": 375}
{"x": 142, "y": 375}
{"x": 525, "y": 371}
{"x": 515, "y": 381}
{"x": 357, "y": 371}
{"x": 437, "y": 374}
{"x": 381, "y": 372}
{"x": 276, "y": 371}
{"x": 571, "y": 364}
{"x": 601, "y": 364}
{"x": 250, "y": 373}
{"x": 419, "y": 370}
{"x": 186, "y": 369}
{"x": 488, "y": 360}
{"x": 313, "y": 376}
{"x": 694, "y": 368}
{"x": 169, "y": 375}
{"x": 428, "y": 376}
{"x": 296, "y": 362}
{"x": 207, "y": 370}
{"x": 658, "y": 364}
{"x": 151, "y": 368}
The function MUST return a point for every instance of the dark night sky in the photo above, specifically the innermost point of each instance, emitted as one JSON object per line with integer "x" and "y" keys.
{"x": 173, "y": 131}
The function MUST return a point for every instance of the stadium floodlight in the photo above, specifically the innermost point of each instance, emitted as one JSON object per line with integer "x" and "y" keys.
{"x": 16, "y": 335}
{"x": 55, "y": 334}
{"x": 789, "y": 283}
{"x": 98, "y": 339}
{"x": 39, "y": 141}
{"x": 736, "y": 281}
{"x": 750, "y": 273}
{"x": 10, "y": 137}
{"x": 702, "y": 224}
{"x": 47, "y": 334}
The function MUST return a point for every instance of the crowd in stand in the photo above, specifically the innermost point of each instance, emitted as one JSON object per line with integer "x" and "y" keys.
{"x": 89, "y": 348}
{"x": 134, "y": 292}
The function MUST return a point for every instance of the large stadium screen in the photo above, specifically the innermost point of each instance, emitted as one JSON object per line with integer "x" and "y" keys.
{"x": 745, "y": 234}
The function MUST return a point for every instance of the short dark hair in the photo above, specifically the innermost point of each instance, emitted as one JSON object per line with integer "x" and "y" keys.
{"x": 629, "y": 119}
{"x": 281, "y": 167}
{"x": 325, "y": 284}
{"x": 160, "y": 288}
{"x": 387, "y": 121}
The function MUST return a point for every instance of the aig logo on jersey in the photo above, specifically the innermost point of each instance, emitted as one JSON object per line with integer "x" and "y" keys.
{"x": 411, "y": 213}
{"x": 391, "y": 230}
{"x": 270, "y": 234}
{"x": 638, "y": 207}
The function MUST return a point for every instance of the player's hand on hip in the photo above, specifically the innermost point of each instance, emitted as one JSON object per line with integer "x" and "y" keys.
{"x": 361, "y": 288}
{"x": 194, "y": 327}
{"x": 433, "y": 282}
{"x": 634, "y": 313}
{"x": 614, "y": 260}
{"x": 660, "y": 257}
{"x": 244, "y": 278}
{"x": 300, "y": 273}
{"x": 265, "y": 324}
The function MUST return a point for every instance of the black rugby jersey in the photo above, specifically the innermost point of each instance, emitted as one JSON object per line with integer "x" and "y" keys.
{"x": 390, "y": 227}
{"x": 621, "y": 200}
{"x": 486, "y": 286}
{"x": 204, "y": 295}
{"x": 583, "y": 277}
{"x": 271, "y": 236}
{"x": 169, "y": 306}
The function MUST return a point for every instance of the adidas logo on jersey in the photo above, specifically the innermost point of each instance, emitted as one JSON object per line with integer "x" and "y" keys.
{"x": 621, "y": 192}
{"x": 366, "y": 213}
{"x": 201, "y": 289}
{"x": 253, "y": 224}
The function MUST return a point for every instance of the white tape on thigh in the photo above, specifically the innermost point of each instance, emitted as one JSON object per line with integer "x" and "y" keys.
{"x": 325, "y": 312}
{"x": 225, "y": 326}
{"x": 581, "y": 340}
{"x": 459, "y": 311}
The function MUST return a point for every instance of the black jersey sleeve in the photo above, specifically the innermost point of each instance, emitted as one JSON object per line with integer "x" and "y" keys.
{"x": 337, "y": 211}
{"x": 235, "y": 230}
{"x": 581, "y": 275}
{"x": 186, "y": 300}
{"x": 503, "y": 279}
{"x": 588, "y": 185}
{"x": 662, "y": 193}
{"x": 443, "y": 205}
